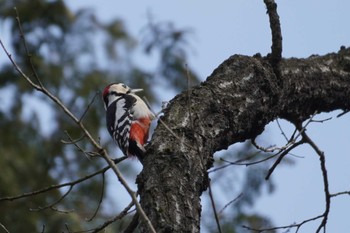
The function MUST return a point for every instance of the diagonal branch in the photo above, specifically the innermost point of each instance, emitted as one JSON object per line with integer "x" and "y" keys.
{"x": 4, "y": 228}
{"x": 29, "y": 56}
{"x": 124, "y": 212}
{"x": 78, "y": 122}
{"x": 52, "y": 187}
{"x": 51, "y": 206}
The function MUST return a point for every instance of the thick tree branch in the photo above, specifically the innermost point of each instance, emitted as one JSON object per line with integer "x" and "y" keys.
{"x": 234, "y": 104}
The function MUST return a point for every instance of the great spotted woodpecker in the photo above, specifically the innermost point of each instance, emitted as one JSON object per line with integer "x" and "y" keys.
{"x": 128, "y": 118}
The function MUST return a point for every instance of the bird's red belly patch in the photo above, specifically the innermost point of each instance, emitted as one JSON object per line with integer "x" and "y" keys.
{"x": 139, "y": 130}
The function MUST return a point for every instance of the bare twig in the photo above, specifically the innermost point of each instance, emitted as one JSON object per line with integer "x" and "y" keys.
{"x": 321, "y": 121}
{"x": 100, "y": 201}
{"x": 240, "y": 162}
{"x": 214, "y": 209}
{"x": 306, "y": 139}
{"x": 273, "y": 148}
{"x": 328, "y": 196}
{"x": 29, "y": 56}
{"x": 343, "y": 113}
{"x": 119, "y": 216}
{"x": 4, "y": 228}
{"x": 340, "y": 193}
{"x": 281, "y": 156}
{"x": 291, "y": 144}
{"x": 295, "y": 225}
{"x": 282, "y": 132}
{"x": 68, "y": 230}
{"x": 230, "y": 202}
{"x": 52, "y": 187}
{"x": 290, "y": 141}
{"x": 72, "y": 141}
{"x": 51, "y": 206}
{"x": 87, "y": 154}
{"x": 89, "y": 105}
{"x": 133, "y": 224}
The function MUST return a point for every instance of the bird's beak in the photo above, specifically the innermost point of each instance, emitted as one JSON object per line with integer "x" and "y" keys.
{"x": 136, "y": 90}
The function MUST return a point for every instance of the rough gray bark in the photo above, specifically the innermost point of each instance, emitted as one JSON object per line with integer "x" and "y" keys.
{"x": 234, "y": 104}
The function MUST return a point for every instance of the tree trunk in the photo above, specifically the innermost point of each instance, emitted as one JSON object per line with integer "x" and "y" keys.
{"x": 234, "y": 104}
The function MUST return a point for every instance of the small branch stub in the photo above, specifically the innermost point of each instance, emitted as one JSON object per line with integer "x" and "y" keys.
{"x": 275, "y": 25}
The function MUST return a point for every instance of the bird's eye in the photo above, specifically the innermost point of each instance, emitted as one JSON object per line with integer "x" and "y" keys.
{"x": 124, "y": 86}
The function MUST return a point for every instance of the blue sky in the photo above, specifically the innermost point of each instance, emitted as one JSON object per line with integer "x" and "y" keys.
{"x": 224, "y": 28}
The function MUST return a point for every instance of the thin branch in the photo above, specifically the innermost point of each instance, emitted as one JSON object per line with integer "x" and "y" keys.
{"x": 340, "y": 193}
{"x": 133, "y": 224}
{"x": 87, "y": 154}
{"x": 328, "y": 196}
{"x": 273, "y": 148}
{"x": 100, "y": 200}
{"x": 282, "y": 132}
{"x": 325, "y": 179}
{"x": 4, "y": 228}
{"x": 321, "y": 121}
{"x": 72, "y": 141}
{"x": 230, "y": 202}
{"x": 51, "y": 206}
{"x": 66, "y": 225}
{"x": 52, "y": 187}
{"x": 214, "y": 209}
{"x": 283, "y": 151}
{"x": 29, "y": 56}
{"x": 281, "y": 156}
{"x": 119, "y": 216}
{"x": 290, "y": 141}
{"x": 295, "y": 225}
{"x": 343, "y": 113}
{"x": 240, "y": 162}
{"x": 89, "y": 105}
{"x": 120, "y": 159}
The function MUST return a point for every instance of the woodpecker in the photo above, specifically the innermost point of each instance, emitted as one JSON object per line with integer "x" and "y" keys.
{"x": 128, "y": 118}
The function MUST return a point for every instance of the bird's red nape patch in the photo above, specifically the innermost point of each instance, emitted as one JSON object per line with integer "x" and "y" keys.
{"x": 106, "y": 90}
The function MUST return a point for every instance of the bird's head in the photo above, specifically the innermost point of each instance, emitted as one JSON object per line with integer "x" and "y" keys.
{"x": 114, "y": 90}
